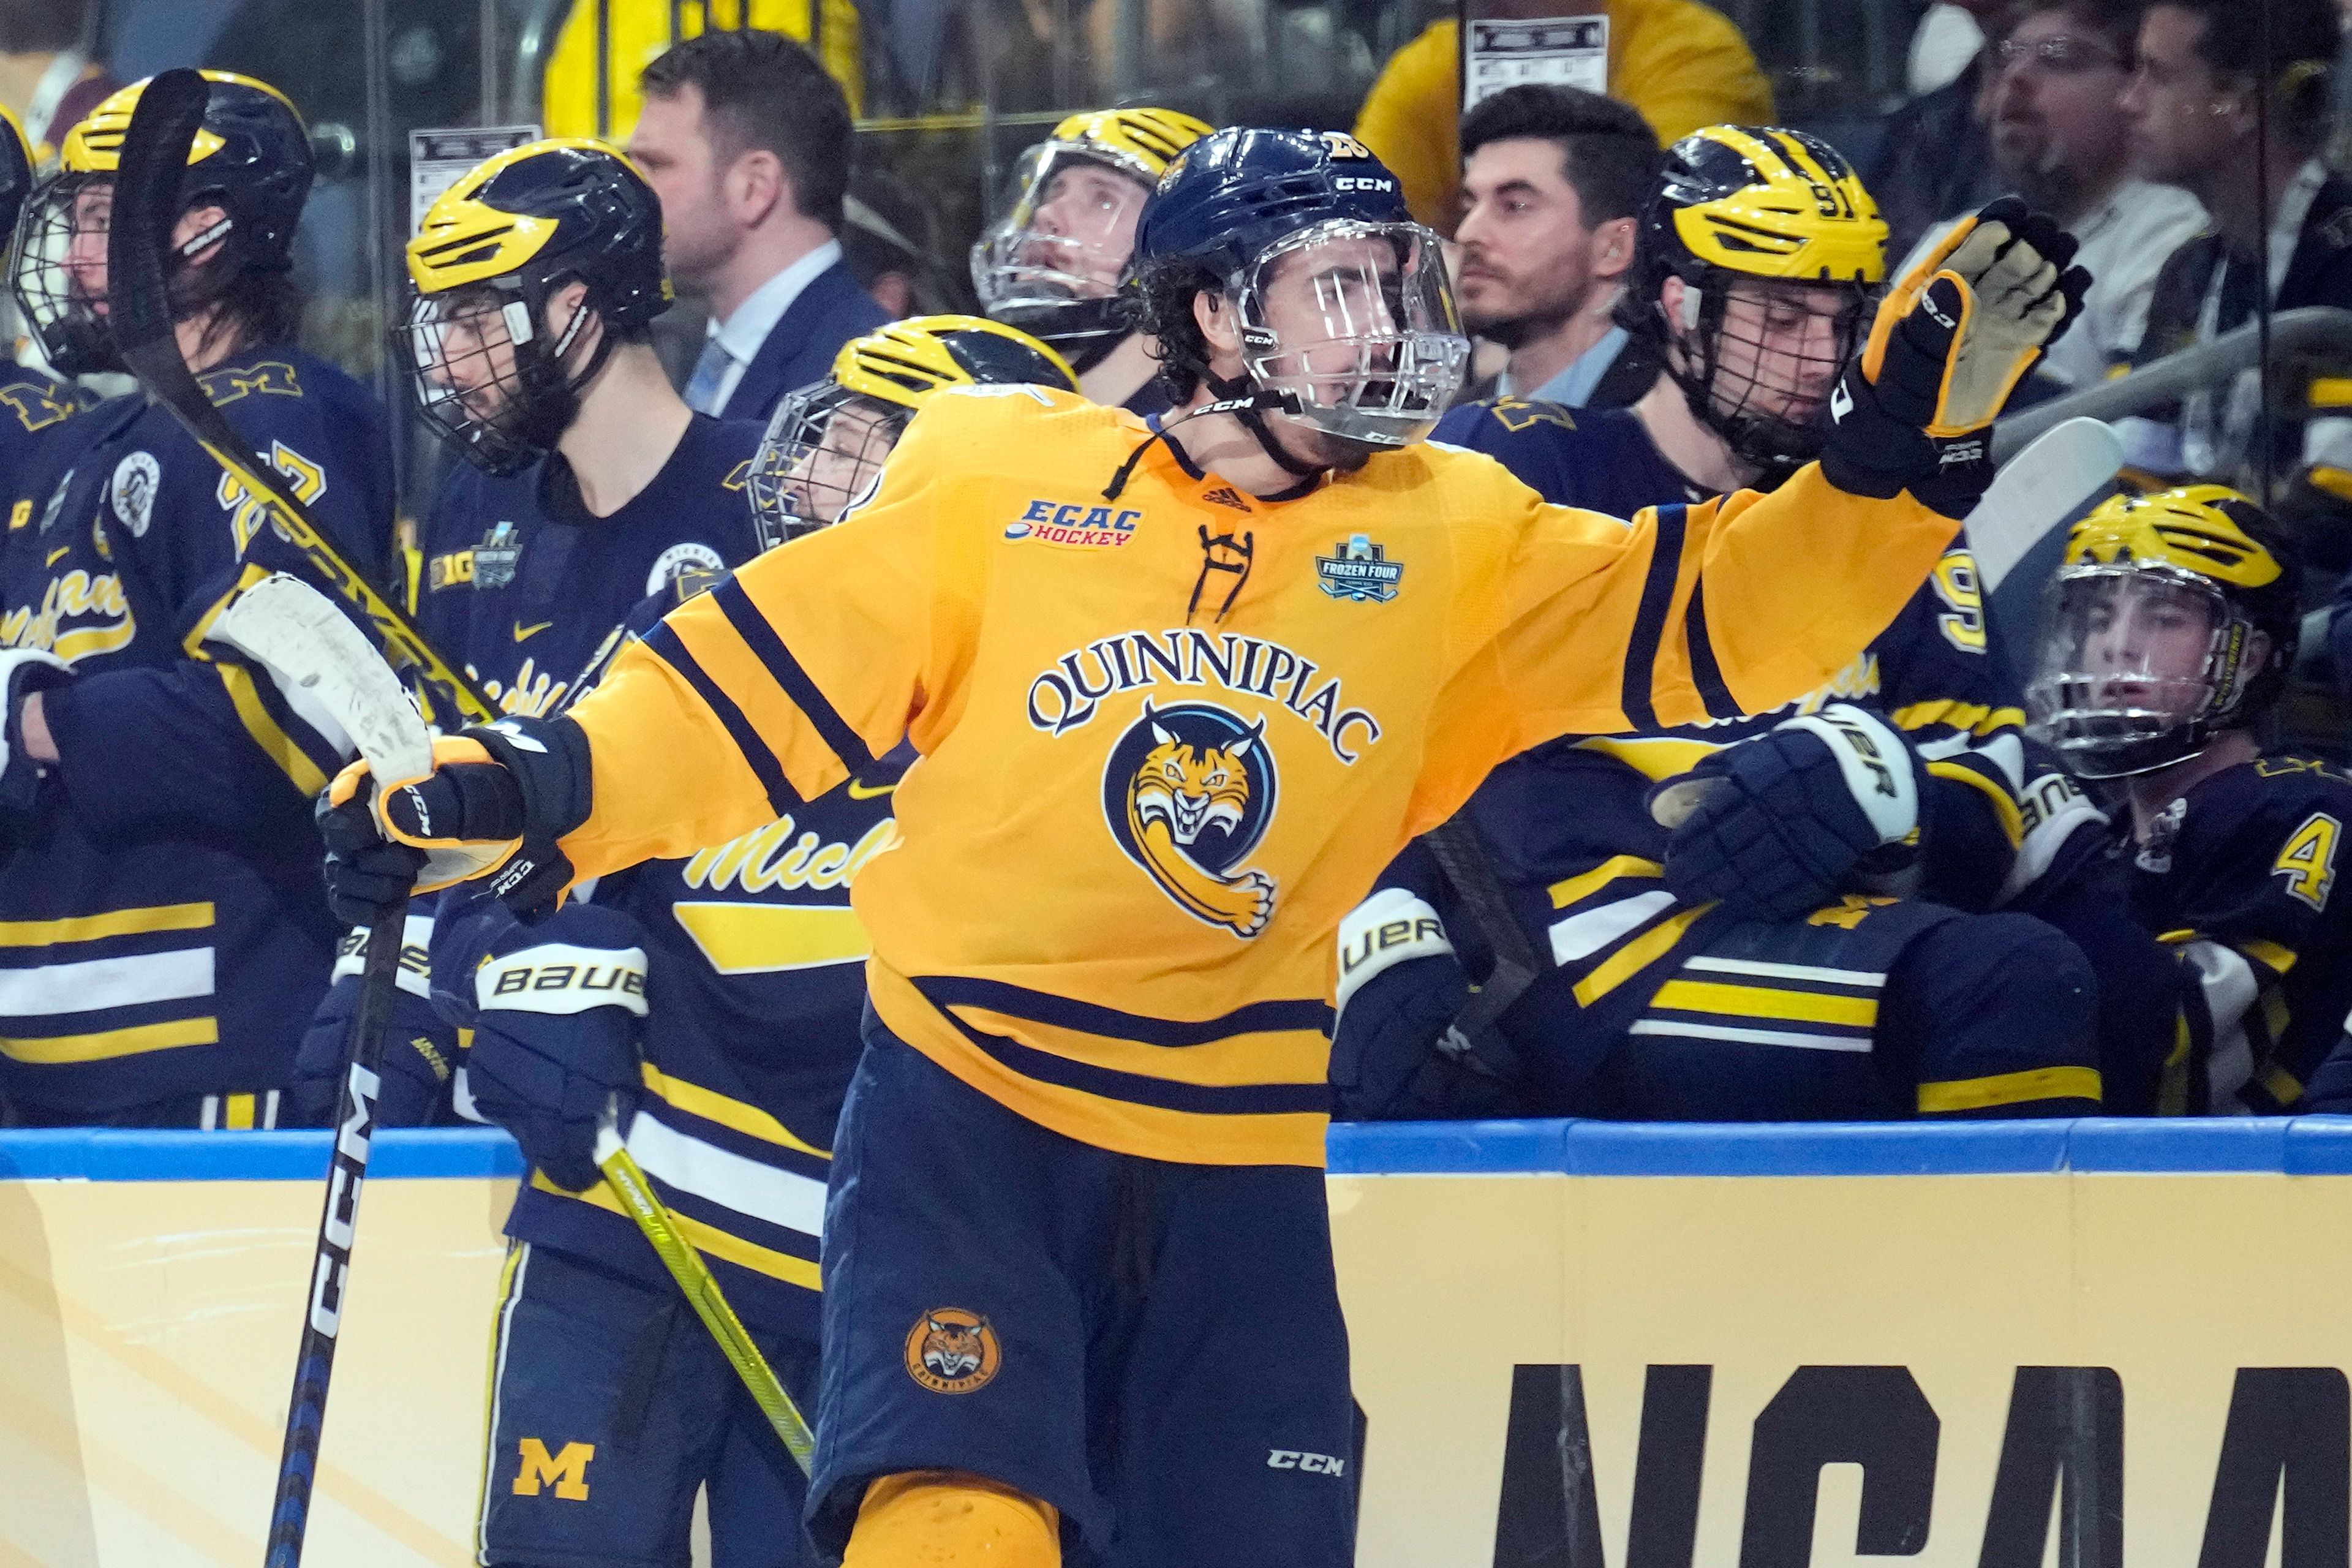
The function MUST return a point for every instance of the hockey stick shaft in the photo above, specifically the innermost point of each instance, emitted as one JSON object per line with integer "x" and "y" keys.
{"x": 639, "y": 1202}
{"x": 306, "y": 1410}
{"x": 140, "y": 318}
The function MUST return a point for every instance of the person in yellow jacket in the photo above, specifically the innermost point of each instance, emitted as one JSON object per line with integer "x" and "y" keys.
{"x": 1681, "y": 64}
{"x": 617, "y": 40}
{"x": 1176, "y": 692}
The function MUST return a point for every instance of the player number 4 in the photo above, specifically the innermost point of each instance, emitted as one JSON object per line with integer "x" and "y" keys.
{"x": 2308, "y": 861}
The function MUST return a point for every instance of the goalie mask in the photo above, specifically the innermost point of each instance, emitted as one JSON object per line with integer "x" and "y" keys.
{"x": 1780, "y": 252}
{"x": 1052, "y": 265}
{"x": 498, "y": 373}
{"x": 1345, "y": 318}
{"x": 250, "y": 159}
{"x": 825, "y": 443}
{"x": 2171, "y": 620}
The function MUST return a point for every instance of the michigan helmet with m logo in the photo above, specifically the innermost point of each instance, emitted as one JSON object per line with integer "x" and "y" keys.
{"x": 496, "y": 374}
{"x": 825, "y": 443}
{"x": 2172, "y": 618}
{"x": 1779, "y": 251}
{"x": 250, "y": 159}
{"x": 1053, "y": 263}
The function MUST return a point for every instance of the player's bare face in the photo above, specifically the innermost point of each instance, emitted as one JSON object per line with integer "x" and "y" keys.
{"x": 1526, "y": 254}
{"x": 1780, "y": 350}
{"x": 85, "y": 258}
{"x": 2148, "y": 645}
{"x": 1083, "y": 227}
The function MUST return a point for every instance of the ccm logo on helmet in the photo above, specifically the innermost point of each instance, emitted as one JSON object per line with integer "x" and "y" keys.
{"x": 1362, "y": 182}
{"x": 1315, "y": 1463}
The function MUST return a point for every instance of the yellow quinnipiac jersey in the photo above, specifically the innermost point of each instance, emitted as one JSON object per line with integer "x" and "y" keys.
{"x": 1134, "y": 827}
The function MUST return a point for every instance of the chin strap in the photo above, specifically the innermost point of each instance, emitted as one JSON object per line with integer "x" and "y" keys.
{"x": 1238, "y": 398}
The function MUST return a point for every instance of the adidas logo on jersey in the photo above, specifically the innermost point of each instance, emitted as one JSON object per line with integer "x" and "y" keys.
{"x": 1225, "y": 495}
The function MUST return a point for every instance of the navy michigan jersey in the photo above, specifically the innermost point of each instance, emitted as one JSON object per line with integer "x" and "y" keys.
{"x": 36, "y": 434}
{"x": 1577, "y": 859}
{"x": 2238, "y": 880}
{"x": 755, "y": 983}
{"x": 160, "y": 917}
{"x": 530, "y": 594}
{"x": 525, "y": 588}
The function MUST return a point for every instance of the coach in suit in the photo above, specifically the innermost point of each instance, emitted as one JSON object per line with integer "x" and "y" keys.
{"x": 746, "y": 140}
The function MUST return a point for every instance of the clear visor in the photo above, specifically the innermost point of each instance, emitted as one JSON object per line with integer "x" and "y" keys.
{"x": 823, "y": 454}
{"x": 1355, "y": 321}
{"x": 2128, "y": 654}
{"x": 1065, "y": 237}
{"x": 58, "y": 273}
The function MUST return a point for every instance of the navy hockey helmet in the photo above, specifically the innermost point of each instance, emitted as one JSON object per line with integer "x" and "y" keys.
{"x": 16, "y": 169}
{"x": 1359, "y": 338}
{"x": 1782, "y": 251}
{"x": 251, "y": 158}
{"x": 491, "y": 252}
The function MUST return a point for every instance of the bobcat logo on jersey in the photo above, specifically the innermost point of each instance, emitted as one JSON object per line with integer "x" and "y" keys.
{"x": 952, "y": 1351}
{"x": 1188, "y": 791}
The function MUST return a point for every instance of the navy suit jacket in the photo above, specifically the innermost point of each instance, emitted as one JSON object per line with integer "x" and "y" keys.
{"x": 800, "y": 347}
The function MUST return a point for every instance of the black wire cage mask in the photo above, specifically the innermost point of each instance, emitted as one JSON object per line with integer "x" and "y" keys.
{"x": 489, "y": 379}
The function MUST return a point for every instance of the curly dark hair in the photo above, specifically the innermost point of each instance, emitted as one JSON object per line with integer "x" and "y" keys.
{"x": 1157, "y": 302}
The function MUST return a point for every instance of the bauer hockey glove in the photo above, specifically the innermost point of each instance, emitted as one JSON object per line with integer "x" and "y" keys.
{"x": 1914, "y": 410}
{"x": 22, "y": 672}
{"x": 420, "y": 1050}
{"x": 496, "y": 800}
{"x": 1772, "y": 828}
{"x": 560, "y": 1005}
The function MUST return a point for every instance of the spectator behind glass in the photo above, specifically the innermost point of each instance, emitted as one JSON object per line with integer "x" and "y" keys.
{"x": 1553, "y": 180}
{"x": 1678, "y": 62}
{"x": 45, "y": 80}
{"x": 2197, "y": 109}
{"x": 1934, "y": 160}
{"x": 2059, "y": 141}
{"x": 746, "y": 141}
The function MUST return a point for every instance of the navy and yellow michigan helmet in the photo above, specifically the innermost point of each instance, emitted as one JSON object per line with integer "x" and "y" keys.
{"x": 250, "y": 158}
{"x": 1052, "y": 264}
{"x": 493, "y": 373}
{"x": 16, "y": 169}
{"x": 825, "y": 443}
{"x": 1764, "y": 212}
{"x": 2172, "y": 618}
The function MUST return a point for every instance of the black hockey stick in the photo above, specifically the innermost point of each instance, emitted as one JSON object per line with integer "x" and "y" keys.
{"x": 288, "y": 626}
{"x": 1470, "y": 1039}
{"x": 139, "y": 316}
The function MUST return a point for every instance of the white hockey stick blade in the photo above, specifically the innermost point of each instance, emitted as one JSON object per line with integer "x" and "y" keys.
{"x": 314, "y": 650}
{"x": 2037, "y": 490}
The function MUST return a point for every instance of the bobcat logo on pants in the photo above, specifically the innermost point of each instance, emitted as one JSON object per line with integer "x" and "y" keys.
{"x": 952, "y": 1351}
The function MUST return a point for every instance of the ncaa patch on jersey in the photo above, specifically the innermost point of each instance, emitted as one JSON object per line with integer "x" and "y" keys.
{"x": 678, "y": 560}
{"x": 132, "y": 490}
{"x": 496, "y": 557}
{"x": 1359, "y": 570}
{"x": 1074, "y": 523}
{"x": 952, "y": 1350}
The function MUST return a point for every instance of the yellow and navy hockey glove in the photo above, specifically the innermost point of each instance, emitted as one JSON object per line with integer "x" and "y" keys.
{"x": 496, "y": 800}
{"x": 1953, "y": 337}
{"x": 1783, "y": 821}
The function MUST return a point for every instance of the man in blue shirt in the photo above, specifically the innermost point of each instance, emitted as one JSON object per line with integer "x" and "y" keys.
{"x": 1552, "y": 181}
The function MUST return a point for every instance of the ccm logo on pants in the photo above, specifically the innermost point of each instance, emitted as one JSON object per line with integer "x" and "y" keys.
{"x": 1291, "y": 1459}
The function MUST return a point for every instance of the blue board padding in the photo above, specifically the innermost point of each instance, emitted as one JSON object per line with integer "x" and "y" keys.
{"x": 2304, "y": 1146}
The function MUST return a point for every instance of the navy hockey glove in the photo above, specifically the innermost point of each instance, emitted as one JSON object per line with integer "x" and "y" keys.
{"x": 1781, "y": 821}
{"x": 22, "y": 672}
{"x": 496, "y": 800}
{"x": 560, "y": 1003}
{"x": 365, "y": 876}
{"x": 1914, "y": 410}
{"x": 1396, "y": 1056}
{"x": 420, "y": 1050}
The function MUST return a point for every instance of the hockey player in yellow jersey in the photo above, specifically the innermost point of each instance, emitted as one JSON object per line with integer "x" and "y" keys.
{"x": 1177, "y": 693}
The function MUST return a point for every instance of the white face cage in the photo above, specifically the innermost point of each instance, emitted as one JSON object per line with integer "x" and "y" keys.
{"x": 823, "y": 454}
{"x": 1067, "y": 235}
{"x": 2132, "y": 657}
{"x": 1355, "y": 321}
